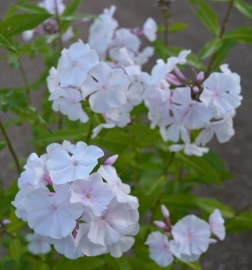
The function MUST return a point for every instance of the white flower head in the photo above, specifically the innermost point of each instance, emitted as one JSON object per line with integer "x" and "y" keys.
{"x": 37, "y": 244}
{"x": 160, "y": 250}
{"x": 75, "y": 63}
{"x": 65, "y": 167}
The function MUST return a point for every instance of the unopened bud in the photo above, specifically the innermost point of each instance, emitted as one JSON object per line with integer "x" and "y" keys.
{"x": 160, "y": 224}
{"x": 195, "y": 89}
{"x": 200, "y": 76}
{"x": 111, "y": 160}
{"x": 165, "y": 211}
{"x": 212, "y": 241}
{"x": 6, "y": 222}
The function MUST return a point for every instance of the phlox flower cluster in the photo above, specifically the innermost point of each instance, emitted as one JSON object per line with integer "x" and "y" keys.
{"x": 185, "y": 240}
{"x": 50, "y": 26}
{"x": 108, "y": 74}
{"x": 68, "y": 205}
{"x": 178, "y": 105}
{"x": 111, "y": 87}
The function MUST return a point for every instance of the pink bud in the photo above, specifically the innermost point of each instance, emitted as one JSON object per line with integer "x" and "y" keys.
{"x": 165, "y": 211}
{"x": 195, "y": 89}
{"x": 179, "y": 73}
{"x": 200, "y": 76}
{"x": 111, "y": 160}
{"x": 160, "y": 224}
{"x": 6, "y": 222}
{"x": 212, "y": 241}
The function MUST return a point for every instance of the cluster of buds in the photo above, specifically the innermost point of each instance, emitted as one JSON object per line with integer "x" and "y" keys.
{"x": 186, "y": 240}
{"x": 73, "y": 209}
{"x": 50, "y": 26}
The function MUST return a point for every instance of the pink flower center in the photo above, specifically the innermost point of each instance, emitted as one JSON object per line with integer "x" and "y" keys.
{"x": 74, "y": 63}
{"x": 88, "y": 195}
{"x": 75, "y": 163}
{"x": 54, "y": 208}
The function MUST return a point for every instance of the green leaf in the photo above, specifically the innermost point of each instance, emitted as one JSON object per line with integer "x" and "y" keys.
{"x": 200, "y": 168}
{"x": 239, "y": 223}
{"x": 191, "y": 202}
{"x": 244, "y": 8}
{"x": 193, "y": 265}
{"x": 17, "y": 24}
{"x": 206, "y": 15}
{"x": 121, "y": 263}
{"x": 69, "y": 10}
{"x": 222, "y": 53}
{"x": 15, "y": 249}
{"x": 2, "y": 144}
{"x": 210, "y": 48}
{"x": 31, "y": 8}
{"x": 4, "y": 43}
{"x": 242, "y": 35}
{"x": 177, "y": 27}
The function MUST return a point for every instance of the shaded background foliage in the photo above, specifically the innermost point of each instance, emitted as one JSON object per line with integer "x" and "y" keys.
{"x": 235, "y": 251}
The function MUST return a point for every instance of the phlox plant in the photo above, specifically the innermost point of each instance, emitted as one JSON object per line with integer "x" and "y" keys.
{"x": 118, "y": 148}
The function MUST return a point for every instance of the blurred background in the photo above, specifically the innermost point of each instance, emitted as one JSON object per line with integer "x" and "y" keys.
{"x": 235, "y": 252}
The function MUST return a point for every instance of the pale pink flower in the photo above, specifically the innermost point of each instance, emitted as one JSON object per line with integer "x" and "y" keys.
{"x": 160, "y": 250}
{"x": 75, "y": 63}
{"x": 150, "y": 29}
{"x": 105, "y": 86}
{"x": 85, "y": 245}
{"x": 92, "y": 193}
{"x": 190, "y": 149}
{"x": 52, "y": 216}
{"x": 192, "y": 233}
{"x": 37, "y": 244}
{"x": 64, "y": 167}
{"x": 216, "y": 223}
{"x": 68, "y": 246}
{"x": 125, "y": 242}
{"x": 107, "y": 229}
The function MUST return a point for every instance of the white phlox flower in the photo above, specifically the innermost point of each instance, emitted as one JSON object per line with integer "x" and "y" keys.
{"x": 75, "y": 63}
{"x": 221, "y": 93}
{"x": 68, "y": 246}
{"x": 76, "y": 196}
{"x": 192, "y": 234}
{"x": 52, "y": 80}
{"x": 85, "y": 244}
{"x": 216, "y": 223}
{"x": 120, "y": 189}
{"x": 45, "y": 212}
{"x": 182, "y": 56}
{"x": 37, "y": 244}
{"x": 175, "y": 248}
{"x": 190, "y": 149}
{"x": 98, "y": 129}
{"x": 160, "y": 250}
{"x": 64, "y": 167}
{"x": 150, "y": 29}
{"x": 107, "y": 229}
{"x": 125, "y": 242}
{"x": 92, "y": 193}
{"x": 124, "y": 38}
{"x": 105, "y": 87}
{"x": 222, "y": 128}
{"x": 102, "y": 29}
{"x": 194, "y": 113}
{"x": 52, "y": 6}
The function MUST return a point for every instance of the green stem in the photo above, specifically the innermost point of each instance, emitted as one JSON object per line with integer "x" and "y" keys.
{"x": 247, "y": 207}
{"x": 89, "y": 132}
{"x": 223, "y": 28}
{"x": 60, "y": 121}
{"x": 60, "y": 30}
{"x": 26, "y": 84}
{"x": 10, "y": 148}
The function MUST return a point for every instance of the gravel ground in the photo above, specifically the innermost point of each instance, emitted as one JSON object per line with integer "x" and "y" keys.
{"x": 236, "y": 251}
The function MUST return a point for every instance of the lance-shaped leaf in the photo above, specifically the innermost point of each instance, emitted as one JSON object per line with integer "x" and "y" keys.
{"x": 31, "y": 8}
{"x": 17, "y": 24}
{"x": 242, "y": 34}
{"x": 207, "y": 16}
{"x": 244, "y": 8}
{"x": 210, "y": 48}
{"x": 4, "y": 43}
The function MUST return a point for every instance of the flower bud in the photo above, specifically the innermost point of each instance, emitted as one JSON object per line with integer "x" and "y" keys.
{"x": 165, "y": 211}
{"x": 195, "y": 89}
{"x": 160, "y": 224}
{"x": 200, "y": 76}
{"x": 111, "y": 160}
